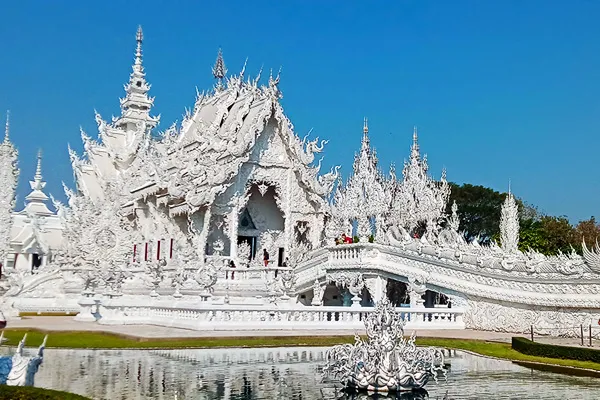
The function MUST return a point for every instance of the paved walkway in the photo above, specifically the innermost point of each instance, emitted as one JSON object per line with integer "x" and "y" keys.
{"x": 156, "y": 332}
{"x": 151, "y": 331}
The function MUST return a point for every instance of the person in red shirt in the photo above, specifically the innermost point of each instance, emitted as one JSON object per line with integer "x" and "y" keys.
{"x": 266, "y": 257}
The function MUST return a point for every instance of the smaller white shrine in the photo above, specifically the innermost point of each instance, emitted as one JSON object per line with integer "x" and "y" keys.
{"x": 36, "y": 230}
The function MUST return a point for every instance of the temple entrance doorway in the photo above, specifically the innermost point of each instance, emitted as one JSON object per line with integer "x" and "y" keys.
{"x": 36, "y": 262}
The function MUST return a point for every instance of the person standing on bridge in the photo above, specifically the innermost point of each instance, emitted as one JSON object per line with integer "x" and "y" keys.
{"x": 266, "y": 257}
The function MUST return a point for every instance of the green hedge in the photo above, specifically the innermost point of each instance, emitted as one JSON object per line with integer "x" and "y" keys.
{"x": 528, "y": 347}
{"x": 34, "y": 393}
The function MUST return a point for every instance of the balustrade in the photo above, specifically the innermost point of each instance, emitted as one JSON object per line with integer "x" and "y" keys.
{"x": 263, "y": 317}
{"x": 251, "y": 273}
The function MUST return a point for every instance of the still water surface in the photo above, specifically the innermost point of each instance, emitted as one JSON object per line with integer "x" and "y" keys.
{"x": 274, "y": 374}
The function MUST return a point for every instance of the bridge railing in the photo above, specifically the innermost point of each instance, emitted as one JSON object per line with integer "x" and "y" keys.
{"x": 188, "y": 315}
{"x": 251, "y": 273}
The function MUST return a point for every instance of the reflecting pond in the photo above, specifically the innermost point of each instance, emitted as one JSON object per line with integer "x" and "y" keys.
{"x": 279, "y": 373}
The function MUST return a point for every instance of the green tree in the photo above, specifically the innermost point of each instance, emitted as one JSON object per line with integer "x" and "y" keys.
{"x": 531, "y": 236}
{"x": 559, "y": 234}
{"x": 479, "y": 210}
{"x": 588, "y": 230}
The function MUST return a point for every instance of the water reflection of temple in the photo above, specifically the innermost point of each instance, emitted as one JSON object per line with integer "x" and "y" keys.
{"x": 242, "y": 374}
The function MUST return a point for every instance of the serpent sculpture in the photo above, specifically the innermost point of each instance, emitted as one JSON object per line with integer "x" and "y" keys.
{"x": 17, "y": 370}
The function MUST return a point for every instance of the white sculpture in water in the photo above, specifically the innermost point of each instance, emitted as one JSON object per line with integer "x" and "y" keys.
{"x": 18, "y": 370}
{"x": 386, "y": 362}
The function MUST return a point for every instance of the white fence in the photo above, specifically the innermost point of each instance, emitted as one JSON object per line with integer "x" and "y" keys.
{"x": 121, "y": 311}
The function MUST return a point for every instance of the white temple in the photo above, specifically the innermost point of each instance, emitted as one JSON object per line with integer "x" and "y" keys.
{"x": 173, "y": 228}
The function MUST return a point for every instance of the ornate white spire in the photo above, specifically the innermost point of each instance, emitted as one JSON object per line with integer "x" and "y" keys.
{"x": 136, "y": 105}
{"x": 366, "y": 193}
{"x": 37, "y": 178}
{"x": 454, "y": 220}
{"x": 509, "y": 224}
{"x": 414, "y": 149}
{"x": 7, "y": 128}
{"x": 219, "y": 70}
{"x": 36, "y": 200}
{"x": 419, "y": 199}
{"x": 366, "y": 143}
{"x": 9, "y": 174}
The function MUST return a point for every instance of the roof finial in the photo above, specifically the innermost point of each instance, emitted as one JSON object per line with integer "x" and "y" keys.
{"x": 509, "y": 193}
{"x": 38, "y": 169}
{"x": 243, "y": 69}
{"x": 366, "y": 126}
{"x": 414, "y": 153}
{"x": 219, "y": 71}
{"x": 139, "y": 37}
{"x": 7, "y": 129}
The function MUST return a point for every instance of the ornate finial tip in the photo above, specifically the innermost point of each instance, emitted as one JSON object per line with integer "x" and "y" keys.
{"x": 366, "y": 126}
{"x": 7, "y": 129}
{"x": 140, "y": 34}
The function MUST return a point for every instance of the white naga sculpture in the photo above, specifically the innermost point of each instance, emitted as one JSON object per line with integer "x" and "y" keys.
{"x": 18, "y": 370}
{"x": 386, "y": 362}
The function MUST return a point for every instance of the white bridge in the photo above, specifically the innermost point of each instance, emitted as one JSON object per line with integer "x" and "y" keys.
{"x": 491, "y": 296}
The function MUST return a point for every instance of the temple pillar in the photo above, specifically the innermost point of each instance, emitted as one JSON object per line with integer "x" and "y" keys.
{"x": 233, "y": 231}
{"x": 287, "y": 214}
{"x": 203, "y": 235}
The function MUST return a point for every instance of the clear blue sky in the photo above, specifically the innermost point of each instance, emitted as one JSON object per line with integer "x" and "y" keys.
{"x": 499, "y": 89}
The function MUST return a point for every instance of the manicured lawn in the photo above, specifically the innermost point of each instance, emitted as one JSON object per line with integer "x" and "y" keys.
{"x": 502, "y": 350}
{"x": 99, "y": 340}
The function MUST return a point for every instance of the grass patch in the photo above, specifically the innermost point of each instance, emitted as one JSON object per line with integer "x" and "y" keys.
{"x": 34, "y": 393}
{"x": 103, "y": 340}
{"x": 502, "y": 350}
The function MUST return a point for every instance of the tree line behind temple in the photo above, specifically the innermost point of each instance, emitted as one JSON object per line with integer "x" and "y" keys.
{"x": 479, "y": 211}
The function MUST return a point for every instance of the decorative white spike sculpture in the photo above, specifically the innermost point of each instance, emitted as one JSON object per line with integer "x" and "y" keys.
{"x": 509, "y": 224}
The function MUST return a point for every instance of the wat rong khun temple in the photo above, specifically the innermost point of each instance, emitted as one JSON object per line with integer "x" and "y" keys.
{"x": 226, "y": 222}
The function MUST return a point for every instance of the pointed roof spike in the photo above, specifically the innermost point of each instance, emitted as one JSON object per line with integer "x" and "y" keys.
{"x": 414, "y": 149}
{"x": 243, "y": 69}
{"x": 139, "y": 37}
{"x": 219, "y": 70}
{"x": 366, "y": 126}
{"x": 509, "y": 193}
{"x": 139, "y": 34}
{"x": 260, "y": 73}
{"x": 38, "y": 170}
{"x": 7, "y": 129}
